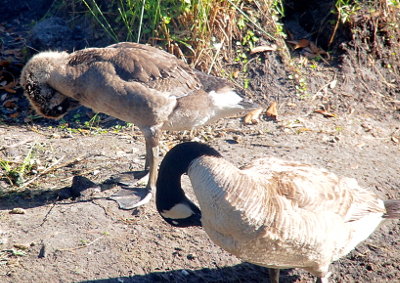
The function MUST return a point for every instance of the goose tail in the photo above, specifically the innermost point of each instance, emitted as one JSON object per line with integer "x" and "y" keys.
{"x": 392, "y": 209}
{"x": 248, "y": 104}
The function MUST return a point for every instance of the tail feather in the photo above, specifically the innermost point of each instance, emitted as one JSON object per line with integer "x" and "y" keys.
{"x": 392, "y": 209}
{"x": 247, "y": 104}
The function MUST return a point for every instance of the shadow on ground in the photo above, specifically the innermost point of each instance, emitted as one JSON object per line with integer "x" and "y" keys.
{"x": 244, "y": 272}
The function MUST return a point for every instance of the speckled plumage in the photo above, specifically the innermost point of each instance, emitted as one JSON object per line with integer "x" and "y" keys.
{"x": 133, "y": 82}
{"x": 276, "y": 213}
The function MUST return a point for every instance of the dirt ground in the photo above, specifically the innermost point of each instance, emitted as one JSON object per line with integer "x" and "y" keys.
{"x": 89, "y": 239}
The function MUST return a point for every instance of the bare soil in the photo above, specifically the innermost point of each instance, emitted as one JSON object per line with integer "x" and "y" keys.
{"x": 60, "y": 238}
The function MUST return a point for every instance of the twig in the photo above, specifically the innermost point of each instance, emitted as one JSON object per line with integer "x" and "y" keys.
{"x": 48, "y": 213}
{"x": 82, "y": 246}
{"x": 335, "y": 29}
{"x": 379, "y": 73}
{"x": 215, "y": 56}
{"x": 107, "y": 211}
{"x": 42, "y": 173}
{"x": 15, "y": 144}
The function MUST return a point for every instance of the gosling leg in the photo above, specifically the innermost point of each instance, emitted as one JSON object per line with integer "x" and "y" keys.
{"x": 273, "y": 275}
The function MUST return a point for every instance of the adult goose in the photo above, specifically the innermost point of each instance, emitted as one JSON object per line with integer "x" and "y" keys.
{"x": 135, "y": 83}
{"x": 272, "y": 213}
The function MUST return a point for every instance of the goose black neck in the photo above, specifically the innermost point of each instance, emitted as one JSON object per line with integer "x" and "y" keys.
{"x": 177, "y": 161}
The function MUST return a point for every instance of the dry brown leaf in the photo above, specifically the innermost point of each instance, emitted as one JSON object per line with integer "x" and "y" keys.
{"x": 9, "y": 104}
{"x": 252, "y": 116}
{"x": 303, "y": 130}
{"x": 325, "y": 113}
{"x": 314, "y": 48}
{"x": 9, "y": 85}
{"x": 10, "y": 90}
{"x": 272, "y": 112}
{"x": 235, "y": 73}
{"x": 264, "y": 48}
{"x": 4, "y": 63}
{"x": 14, "y": 115}
{"x": 303, "y": 43}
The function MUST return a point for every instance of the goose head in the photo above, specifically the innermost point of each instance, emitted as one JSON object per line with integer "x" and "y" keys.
{"x": 172, "y": 203}
{"x": 35, "y": 79}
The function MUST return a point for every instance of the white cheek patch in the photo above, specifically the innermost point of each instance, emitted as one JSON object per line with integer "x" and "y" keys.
{"x": 179, "y": 211}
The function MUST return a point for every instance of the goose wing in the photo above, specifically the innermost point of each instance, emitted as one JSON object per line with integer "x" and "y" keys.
{"x": 149, "y": 66}
{"x": 304, "y": 187}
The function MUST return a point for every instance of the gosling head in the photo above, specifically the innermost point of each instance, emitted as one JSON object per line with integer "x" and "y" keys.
{"x": 35, "y": 79}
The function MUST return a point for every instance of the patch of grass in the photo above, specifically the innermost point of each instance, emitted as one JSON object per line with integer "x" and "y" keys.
{"x": 189, "y": 29}
{"x": 345, "y": 9}
{"x": 299, "y": 80}
{"x": 7, "y": 256}
{"x": 15, "y": 172}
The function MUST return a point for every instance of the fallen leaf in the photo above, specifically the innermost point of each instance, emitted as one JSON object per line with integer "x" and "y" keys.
{"x": 395, "y": 140}
{"x": 252, "y": 116}
{"x": 10, "y": 90}
{"x": 235, "y": 73}
{"x": 303, "y": 130}
{"x": 9, "y": 85}
{"x": 264, "y": 48}
{"x": 5, "y": 63}
{"x": 291, "y": 104}
{"x": 9, "y": 104}
{"x": 325, "y": 113}
{"x": 314, "y": 48}
{"x": 14, "y": 115}
{"x": 272, "y": 112}
{"x": 360, "y": 145}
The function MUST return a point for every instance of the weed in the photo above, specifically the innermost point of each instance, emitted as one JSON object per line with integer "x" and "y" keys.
{"x": 15, "y": 173}
{"x": 277, "y": 10}
{"x": 187, "y": 28}
{"x": 6, "y": 255}
{"x": 346, "y": 8}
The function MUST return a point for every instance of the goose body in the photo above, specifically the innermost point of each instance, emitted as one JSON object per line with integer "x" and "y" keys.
{"x": 272, "y": 213}
{"x": 133, "y": 82}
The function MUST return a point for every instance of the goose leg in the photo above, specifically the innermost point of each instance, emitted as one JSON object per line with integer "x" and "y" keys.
{"x": 324, "y": 279}
{"x": 129, "y": 198}
{"x": 152, "y": 155}
{"x": 273, "y": 275}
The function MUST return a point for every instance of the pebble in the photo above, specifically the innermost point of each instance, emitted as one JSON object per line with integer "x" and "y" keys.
{"x": 18, "y": 210}
{"x": 185, "y": 273}
{"x": 21, "y": 246}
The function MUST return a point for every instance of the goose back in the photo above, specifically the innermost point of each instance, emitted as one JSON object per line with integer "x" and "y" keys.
{"x": 299, "y": 215}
